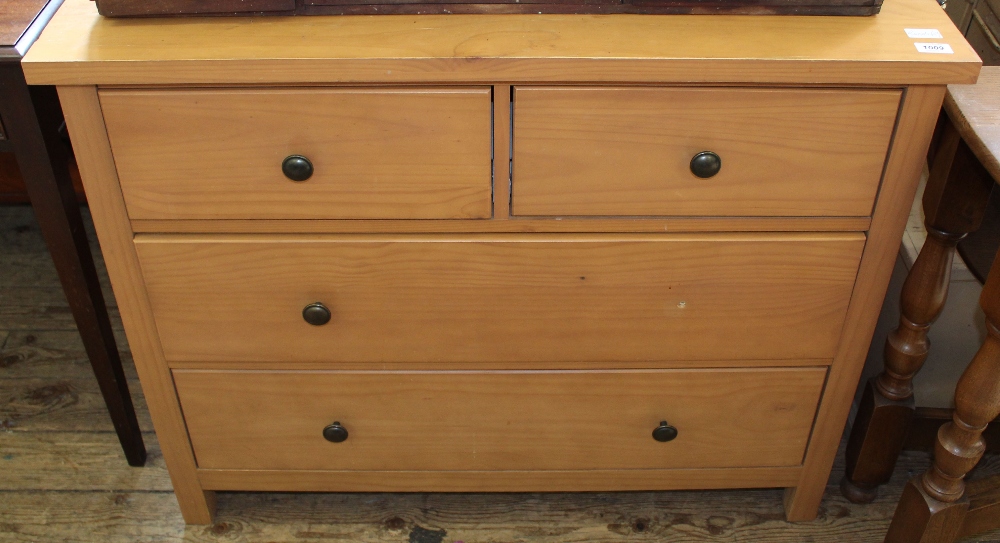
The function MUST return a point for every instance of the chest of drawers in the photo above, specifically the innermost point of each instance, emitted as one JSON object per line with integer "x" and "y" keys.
{"x": 513, "y": 253}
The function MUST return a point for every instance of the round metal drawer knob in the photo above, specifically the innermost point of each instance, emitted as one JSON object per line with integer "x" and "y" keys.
{"x": 316, "y": 314}
{"x": 706, "y": 164}
{"x": 297, "y": 168}
{"x": 335, "y": 433}
{"x": 664, "y": 432}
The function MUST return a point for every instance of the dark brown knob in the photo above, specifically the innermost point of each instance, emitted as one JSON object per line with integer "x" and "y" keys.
{"x": 297, "y": 168}
{"x": 335, "y": 433}
{"x": 664, "y": 432}
{"x": 316, "y": 314}
{"x": 706, "y": 164}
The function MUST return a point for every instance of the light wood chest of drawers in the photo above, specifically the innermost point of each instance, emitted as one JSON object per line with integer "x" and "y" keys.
{"x": 505, "y": 253}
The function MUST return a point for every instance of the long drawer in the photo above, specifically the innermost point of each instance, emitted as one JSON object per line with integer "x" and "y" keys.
{"x": 499, "y": 298}
{"x": 302, "y": 153}
{"x": 765, "y": 152}
{"x": 499, "y": 420}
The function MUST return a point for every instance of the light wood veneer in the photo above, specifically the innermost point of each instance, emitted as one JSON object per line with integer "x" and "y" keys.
{"x": 501, "y": 298}
{"x": 553, "y": 305}
{"x": 508, "y": 49}
{"x": 413, "y": 421}
{"x": 627, "y": 151}
{"x": 376, "y": 153}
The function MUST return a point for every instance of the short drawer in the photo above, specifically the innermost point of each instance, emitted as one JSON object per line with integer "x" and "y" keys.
{"x": 499, "y": 420}
{"x": 500, "y": 298}
{"x": 628, "y": 151}
{"x": 374, "y": 153}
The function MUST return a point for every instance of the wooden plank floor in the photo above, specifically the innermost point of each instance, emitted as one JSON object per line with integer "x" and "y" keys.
{"x": 63, "y": 477}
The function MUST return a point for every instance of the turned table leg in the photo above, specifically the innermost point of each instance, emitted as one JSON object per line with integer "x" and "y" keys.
{"x": 954, "y": 202}
{"x": 932, "y": 508}
{"x": 43, "y": 163}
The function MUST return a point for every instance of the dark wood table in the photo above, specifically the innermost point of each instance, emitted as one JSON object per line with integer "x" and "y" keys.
{"x": 30, "y": 119}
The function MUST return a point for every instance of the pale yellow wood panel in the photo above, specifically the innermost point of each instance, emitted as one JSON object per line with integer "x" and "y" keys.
{"x": 916, "y": 124}
{"x": 627, "y": 151}
{"x": 376, "y": 153}
{"x": 670, "y": 224}
{"x": 505, "y": 365}
{"x": 97, "y": 169}
{"x": 589, "y": 480}
{"x": 477, "y": 299}
{"x": 79, "y": 46}
{"x": 499, "y": 420}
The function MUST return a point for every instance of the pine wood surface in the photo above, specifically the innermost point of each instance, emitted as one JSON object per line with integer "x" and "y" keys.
{"x": 917, "y": 117}
{"x": 419, "y": 153}
{"x": 559, "y": 64}
{"x": 492, "y": 420}
{"x": 627, "y": 151}
{"x": 632, "y": 224}
{"x": 97, "y": 168}
{"x": 500, "y": 297}
{"x": 80, "y": 47}
{"x": 107, "y": 501}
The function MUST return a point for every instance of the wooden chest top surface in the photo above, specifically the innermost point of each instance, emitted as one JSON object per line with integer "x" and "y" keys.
{"x": 81, "y": 47}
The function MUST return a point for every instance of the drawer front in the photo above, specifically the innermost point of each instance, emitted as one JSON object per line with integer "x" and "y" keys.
{"x": 499, "y": 420}
{"x": 500, "y": 298}
{"x": 629, "y": 151}
{"x": 375, "y": 154}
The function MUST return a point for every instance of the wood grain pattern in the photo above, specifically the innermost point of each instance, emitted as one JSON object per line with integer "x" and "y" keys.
{"x": 97, "y": 168}
{"x": 458, "y": 421}
{"x": 627, "y": 151}
{"x": 377, "y": 153}
{"x": 33, "y": 121}
{"x": 74, "y": 461}
{"x": 42, "y": 314}
{"x": 954, "y": 202}
{"x": 522, "y": 50}
{"x": 475, "y": 299}
{"x": 497, "y": 481}
{"x": 984, "y": 506}
{"x": 917, "y": 118}
{"x": 79, "y": 47}
{"x": 976, "y": 116}
{"x": 505, "y": 365}
{"x": 137, "y": 512}
{"x": 17, "y": 15}
{"x": 60, "y": 403}
{"x": 634, "y": 224}
{"x": 554, "y": 517}
{"x": 960, "y": 443}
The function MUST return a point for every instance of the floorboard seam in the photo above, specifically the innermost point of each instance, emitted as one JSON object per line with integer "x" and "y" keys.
{"x": 80, "y": 491}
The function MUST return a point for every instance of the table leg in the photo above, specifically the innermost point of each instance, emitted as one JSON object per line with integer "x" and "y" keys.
{"x": 42, "y": 158}
{"x": 954, "y": 202}
{"x": 933, "y": 506}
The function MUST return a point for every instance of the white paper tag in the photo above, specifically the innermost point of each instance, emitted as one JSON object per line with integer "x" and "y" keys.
{"x": 943, "y": 48}
{"x": 931, "y": 33}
